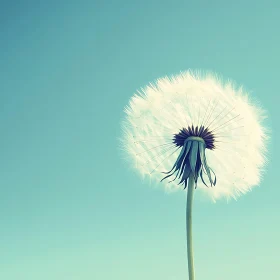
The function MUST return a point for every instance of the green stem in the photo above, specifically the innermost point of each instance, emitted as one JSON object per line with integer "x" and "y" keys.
{"x": 189, "y": 226}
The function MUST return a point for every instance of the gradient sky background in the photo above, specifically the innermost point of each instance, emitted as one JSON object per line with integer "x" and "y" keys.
{"x": 70, "y": 208}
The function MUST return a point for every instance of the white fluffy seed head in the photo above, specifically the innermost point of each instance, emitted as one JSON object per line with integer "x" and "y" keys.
{"x": 160, "y": 110}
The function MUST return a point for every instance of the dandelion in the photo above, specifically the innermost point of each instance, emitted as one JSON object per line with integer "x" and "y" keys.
{"x": 196, "y": 132}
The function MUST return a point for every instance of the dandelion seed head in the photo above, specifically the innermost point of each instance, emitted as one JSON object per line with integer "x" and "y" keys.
{"x": 162, "y": 116}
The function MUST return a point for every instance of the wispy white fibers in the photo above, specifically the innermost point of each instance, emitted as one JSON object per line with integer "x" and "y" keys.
{"x": 162, "y": 109}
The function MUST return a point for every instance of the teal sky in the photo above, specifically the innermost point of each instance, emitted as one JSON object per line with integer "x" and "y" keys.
{"x": 70, "y": 207}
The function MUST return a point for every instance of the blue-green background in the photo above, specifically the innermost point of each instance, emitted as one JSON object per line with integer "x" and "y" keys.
{"x": 70, "y": 208}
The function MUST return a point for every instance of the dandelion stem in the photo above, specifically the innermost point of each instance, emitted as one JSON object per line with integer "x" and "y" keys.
{"x": 189, "y": 226}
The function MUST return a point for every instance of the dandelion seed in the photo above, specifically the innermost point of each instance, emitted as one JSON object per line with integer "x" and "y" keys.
{"x": 217, "y": 140}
